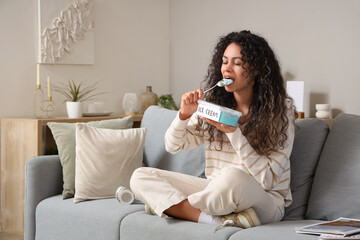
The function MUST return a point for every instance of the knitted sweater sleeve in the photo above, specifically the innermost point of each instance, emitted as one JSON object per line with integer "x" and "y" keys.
{"x": 182, "y": 135}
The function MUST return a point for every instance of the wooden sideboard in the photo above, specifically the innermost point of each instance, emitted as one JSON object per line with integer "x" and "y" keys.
{"x": 329, "y": 121}
{"x": 21, "y": 139}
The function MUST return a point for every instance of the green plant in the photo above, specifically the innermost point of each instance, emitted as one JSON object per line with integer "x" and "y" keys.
{"x": 167, "y": 101}
{"x": 76, "y": 92}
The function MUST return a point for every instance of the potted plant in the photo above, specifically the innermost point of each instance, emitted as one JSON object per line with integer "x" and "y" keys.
{"x": 167, "y": 101}
{"x": 75, "y": 94}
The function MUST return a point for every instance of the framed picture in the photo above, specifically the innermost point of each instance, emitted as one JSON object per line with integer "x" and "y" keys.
{"x": 66, "y": 31}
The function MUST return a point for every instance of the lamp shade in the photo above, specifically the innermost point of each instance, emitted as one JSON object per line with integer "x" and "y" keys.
{"x": 130, "y": 103}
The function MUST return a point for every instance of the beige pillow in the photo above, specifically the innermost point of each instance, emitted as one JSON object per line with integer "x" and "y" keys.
{"x": 105, "y": 160}
{"x": 64, "y": 135}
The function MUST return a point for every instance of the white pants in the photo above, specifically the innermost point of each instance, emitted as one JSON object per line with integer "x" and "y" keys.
{"x": 232, "y": 191}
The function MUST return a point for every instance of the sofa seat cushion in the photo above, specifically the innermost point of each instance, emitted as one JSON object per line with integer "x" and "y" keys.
{"x": 99, "y": 219}
{"x": 284, "y": 230}
{"x": 153, "y": 227}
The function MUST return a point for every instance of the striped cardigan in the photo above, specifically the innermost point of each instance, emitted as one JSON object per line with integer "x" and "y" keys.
{"x": 271, "y": 172}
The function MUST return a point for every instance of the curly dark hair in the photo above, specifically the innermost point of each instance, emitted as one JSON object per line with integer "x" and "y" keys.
{"x": 266, "y": 123}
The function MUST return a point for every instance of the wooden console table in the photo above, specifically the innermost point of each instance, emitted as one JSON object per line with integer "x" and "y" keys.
{"x": 21, "y": 139}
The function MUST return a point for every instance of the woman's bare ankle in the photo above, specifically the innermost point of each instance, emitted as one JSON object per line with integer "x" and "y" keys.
{"x": 184, "y": 210}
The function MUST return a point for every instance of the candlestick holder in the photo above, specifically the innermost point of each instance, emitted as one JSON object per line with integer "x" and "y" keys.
{"x": 42, "y": 106}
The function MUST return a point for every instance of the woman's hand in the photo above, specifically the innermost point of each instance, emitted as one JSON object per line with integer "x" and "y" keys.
{"x": 222, "y": 127}
{"x": 189, "y": 103}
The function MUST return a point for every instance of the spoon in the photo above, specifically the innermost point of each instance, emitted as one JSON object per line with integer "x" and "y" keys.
{"x": 221, "y": 83}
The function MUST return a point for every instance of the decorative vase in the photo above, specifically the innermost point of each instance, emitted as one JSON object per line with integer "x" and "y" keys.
{"x": 74, "y": 109}
{"x": 147, "y": 99}
{"x": 130, "y": 104}
{"x": 323, "y": 114}
{"x": 323, "y": 111}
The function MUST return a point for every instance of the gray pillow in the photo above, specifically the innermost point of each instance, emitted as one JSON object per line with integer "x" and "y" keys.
{"x": 309, "y": 140}
{"x": 64, "y": 135}
{"x": 157, "y": 120}
{"x": 335, "y": 192}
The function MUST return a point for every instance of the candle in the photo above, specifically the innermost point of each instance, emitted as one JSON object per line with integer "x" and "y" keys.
{"x": 38, "y": 76}
{"x": 49, "y": 87}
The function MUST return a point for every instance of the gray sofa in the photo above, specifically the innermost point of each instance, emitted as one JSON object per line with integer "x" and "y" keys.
{"x": 325, "y": 175}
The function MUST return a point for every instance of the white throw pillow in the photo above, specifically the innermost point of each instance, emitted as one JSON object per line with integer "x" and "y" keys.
{"x": 105, "y": 160}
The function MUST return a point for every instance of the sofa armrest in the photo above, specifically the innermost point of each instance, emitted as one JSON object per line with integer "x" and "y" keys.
{"x": 43, "y": 179}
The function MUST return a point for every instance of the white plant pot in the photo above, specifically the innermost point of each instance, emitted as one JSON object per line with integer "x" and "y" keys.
{"x": 74, "y": 109}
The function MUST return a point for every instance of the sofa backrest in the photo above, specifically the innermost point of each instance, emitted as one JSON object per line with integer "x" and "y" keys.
{"x": 335, "y": 192}
{"x": 157, "y": 120}
{"x": 309, "y": 140}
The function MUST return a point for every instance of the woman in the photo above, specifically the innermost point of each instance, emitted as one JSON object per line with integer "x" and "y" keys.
{"x": 247, "y": 166}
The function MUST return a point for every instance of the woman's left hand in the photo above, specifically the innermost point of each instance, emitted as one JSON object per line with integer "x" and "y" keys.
{"x": 222, "y": 127}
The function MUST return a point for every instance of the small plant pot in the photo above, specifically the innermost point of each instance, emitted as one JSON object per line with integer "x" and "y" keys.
{"x": 74, "y": 109}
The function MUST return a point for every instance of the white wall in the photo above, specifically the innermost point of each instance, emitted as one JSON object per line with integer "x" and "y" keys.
{"x": 131, "y": 52}
{"x": 316, "y": 41}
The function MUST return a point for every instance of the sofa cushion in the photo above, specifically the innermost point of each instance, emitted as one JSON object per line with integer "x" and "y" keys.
{"x": 157, "y": 120}
{"x": 64, "y": 135}
{"x": 168, "y": 228}
{"x": 105, "y": 160}
{"x": 309, "y": 140}
{"x": 334, "y": 193}
{"x": 59, "y": 219}
{"x": 276, "y": 231}
{"x": 173, "y": 229}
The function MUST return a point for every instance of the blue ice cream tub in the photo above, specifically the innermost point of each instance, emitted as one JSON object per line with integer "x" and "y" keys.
{"x": 218, "y": 113}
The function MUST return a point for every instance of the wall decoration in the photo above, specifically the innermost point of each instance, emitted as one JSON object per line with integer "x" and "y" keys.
{"x": 66, "y": 31}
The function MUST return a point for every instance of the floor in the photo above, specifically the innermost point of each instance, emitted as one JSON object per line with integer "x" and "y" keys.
{"x": 10, "y": 236}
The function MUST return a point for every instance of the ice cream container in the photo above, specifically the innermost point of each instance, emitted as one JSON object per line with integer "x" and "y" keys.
{"x": 218, "y": 113}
